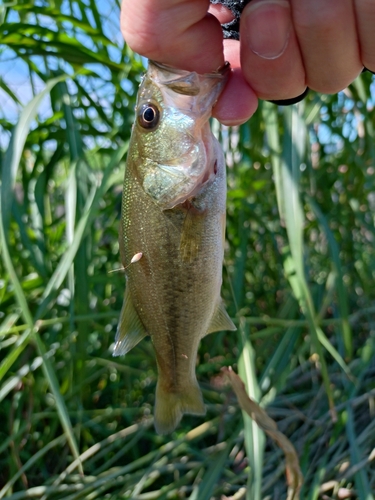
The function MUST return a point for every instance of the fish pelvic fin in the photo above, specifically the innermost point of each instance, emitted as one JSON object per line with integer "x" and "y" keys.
{"x": 220, "y": 320}
{"x": 171, "y": 406}
{"x": 130, "y": 329}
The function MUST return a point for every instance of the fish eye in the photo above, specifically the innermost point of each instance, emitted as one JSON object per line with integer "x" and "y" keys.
{"x": 148, "y": 116}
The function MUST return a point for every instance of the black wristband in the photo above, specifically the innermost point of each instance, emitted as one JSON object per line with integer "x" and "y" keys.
{"x": 232, "y": 29}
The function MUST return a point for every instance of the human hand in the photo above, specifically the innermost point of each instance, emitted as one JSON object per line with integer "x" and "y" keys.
{"x": 285, "y": 45}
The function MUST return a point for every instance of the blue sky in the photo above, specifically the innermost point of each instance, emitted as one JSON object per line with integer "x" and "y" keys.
{"x": 14, "y": 72}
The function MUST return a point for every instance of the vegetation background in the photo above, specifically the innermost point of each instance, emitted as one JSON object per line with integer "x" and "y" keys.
{"x": 299, "y": 281}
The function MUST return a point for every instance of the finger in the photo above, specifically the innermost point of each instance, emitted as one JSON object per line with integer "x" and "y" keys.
{"x": 270, "y": 56}
{"x": 365, "y": 14}
{"x": 176, "y": 32}
{"x": 327, "y": 36}
{"x": 222, "y": 13}
{"x": 237, "y": 102}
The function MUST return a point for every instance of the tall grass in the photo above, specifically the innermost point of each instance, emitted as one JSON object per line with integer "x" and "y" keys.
{"x": 298, "y": 280}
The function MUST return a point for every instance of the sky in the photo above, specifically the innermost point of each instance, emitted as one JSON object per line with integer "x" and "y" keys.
{"x": 14, "y": 71}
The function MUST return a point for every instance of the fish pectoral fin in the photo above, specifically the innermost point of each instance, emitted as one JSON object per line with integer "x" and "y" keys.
{"x": 220, "y": 320}
{"x": 130, "y": 329}
{"x": 191, "y": 235}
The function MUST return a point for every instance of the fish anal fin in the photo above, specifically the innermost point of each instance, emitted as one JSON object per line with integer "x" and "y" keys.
{"x": 130, "y": 329}
{"x": 192, "y": 231}
{"x": 171, "y": 406}
{"x": 220, "y": 320}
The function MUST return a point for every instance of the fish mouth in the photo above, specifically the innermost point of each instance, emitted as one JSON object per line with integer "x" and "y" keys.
{"x": 206, "y": 87}
{"x": 220, "y": 72}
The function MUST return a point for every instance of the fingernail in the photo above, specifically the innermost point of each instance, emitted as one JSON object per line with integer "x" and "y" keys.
{"x": 266, "y": 26}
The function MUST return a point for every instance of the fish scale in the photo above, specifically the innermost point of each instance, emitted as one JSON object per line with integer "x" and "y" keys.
{"x": 173, "y": 213}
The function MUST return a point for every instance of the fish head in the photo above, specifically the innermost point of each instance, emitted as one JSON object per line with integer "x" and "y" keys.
{"x": 172, "y": 139}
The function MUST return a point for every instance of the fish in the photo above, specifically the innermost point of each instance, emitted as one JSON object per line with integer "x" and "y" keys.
{"x": 172, "y": 233}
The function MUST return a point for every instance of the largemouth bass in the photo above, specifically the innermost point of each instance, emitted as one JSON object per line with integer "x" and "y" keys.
{"x": 172, "y": 227}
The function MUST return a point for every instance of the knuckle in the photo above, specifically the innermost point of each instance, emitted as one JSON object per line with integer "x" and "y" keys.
{"x": 141, "y": 41}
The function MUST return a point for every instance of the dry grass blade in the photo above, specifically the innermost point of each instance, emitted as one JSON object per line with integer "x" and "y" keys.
{"x": 293, "y": 471}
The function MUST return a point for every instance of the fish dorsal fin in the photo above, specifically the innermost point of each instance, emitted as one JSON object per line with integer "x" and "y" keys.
{"x": 130, "y": 329}
{"x": 220, "y": 320}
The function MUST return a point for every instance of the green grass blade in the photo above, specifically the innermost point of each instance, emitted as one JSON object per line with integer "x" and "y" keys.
{"x": 15, "y": 149}
{"x": 13, "y": 355}
{"x": 47, "y": 368}
{"x": 361, "y": 479}
{"x": 22, "y": 302}
{"x": 212, "y": 475}
{"x": 278, "y": 367}
{"x": 8, "y": 90}
{"x": 272, "y": 127}
{"x": 254, "y": 436}
{"x": 293, "y": 152}
{"x": 89, "y": 213}
{"x": 340, "y": 287}
{"x": 34, "y": 459}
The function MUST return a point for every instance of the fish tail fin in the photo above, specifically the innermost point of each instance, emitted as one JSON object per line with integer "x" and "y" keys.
{"x": 171, "y": 406}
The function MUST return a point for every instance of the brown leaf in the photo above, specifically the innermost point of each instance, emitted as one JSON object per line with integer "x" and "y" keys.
{"x": 293, "y": 472}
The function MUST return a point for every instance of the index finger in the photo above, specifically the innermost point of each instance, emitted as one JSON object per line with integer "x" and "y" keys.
{"x": 180, "y": 33}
